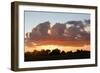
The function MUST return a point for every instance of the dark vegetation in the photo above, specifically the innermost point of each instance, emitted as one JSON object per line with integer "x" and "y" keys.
{"x": 55, "y": 54}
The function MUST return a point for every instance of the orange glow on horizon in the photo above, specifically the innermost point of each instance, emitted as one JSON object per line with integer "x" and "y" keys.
{"x": 62, "y": 45}
{"x": 51, "y": 47}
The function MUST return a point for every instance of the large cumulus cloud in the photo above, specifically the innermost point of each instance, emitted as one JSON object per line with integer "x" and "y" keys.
{"x": 57, "y": 30}
{"x": 71, "y": 30}
{"x": 77, "y": 30}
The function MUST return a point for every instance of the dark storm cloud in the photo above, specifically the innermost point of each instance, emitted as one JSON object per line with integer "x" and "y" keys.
{"x": 60, "y": 31}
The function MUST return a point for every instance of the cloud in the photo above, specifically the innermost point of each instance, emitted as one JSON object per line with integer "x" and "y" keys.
{"x": 77, "y": 30}
{"x": 57, "y": 30}
{"x": 43, "y": 28}
{"x": 69, "y": 31}
{"x": 40, "y": 31}
{"x": 78, "y": 24}
{"x": 87, "y": 21}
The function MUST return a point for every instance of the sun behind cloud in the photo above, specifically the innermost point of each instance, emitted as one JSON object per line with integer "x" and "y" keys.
{"x": 49, "y": 31}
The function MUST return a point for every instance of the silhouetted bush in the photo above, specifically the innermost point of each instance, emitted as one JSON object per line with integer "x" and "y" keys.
{"x": 55, "y": 54}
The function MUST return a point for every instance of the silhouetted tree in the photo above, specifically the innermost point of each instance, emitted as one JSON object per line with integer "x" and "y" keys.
{"x": 55, "y": 54}
{"x": 48, "y": 51}
{"x": 63, "y": 53}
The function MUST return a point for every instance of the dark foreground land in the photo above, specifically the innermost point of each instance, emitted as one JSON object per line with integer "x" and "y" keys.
{"x": 55, "y": 54}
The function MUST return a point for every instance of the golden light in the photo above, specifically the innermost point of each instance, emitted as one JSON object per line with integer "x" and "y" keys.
{"x": 34, "y": 44}
{"x": 87, "y": 29}
{"x": 60, "y": 47}
{"x": 49, "y": 31}
{"x": 65, "y": 48}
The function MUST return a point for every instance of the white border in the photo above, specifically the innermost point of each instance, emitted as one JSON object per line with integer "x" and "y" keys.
{"x": 23, "y": 64}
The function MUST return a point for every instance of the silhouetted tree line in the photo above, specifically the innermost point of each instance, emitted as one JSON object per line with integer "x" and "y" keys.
{"x": 55, "y": 54}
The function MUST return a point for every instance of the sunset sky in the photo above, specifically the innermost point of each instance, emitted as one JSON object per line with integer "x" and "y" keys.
{"x": 33, "y": 18}
{"x": 51, "y": 30}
